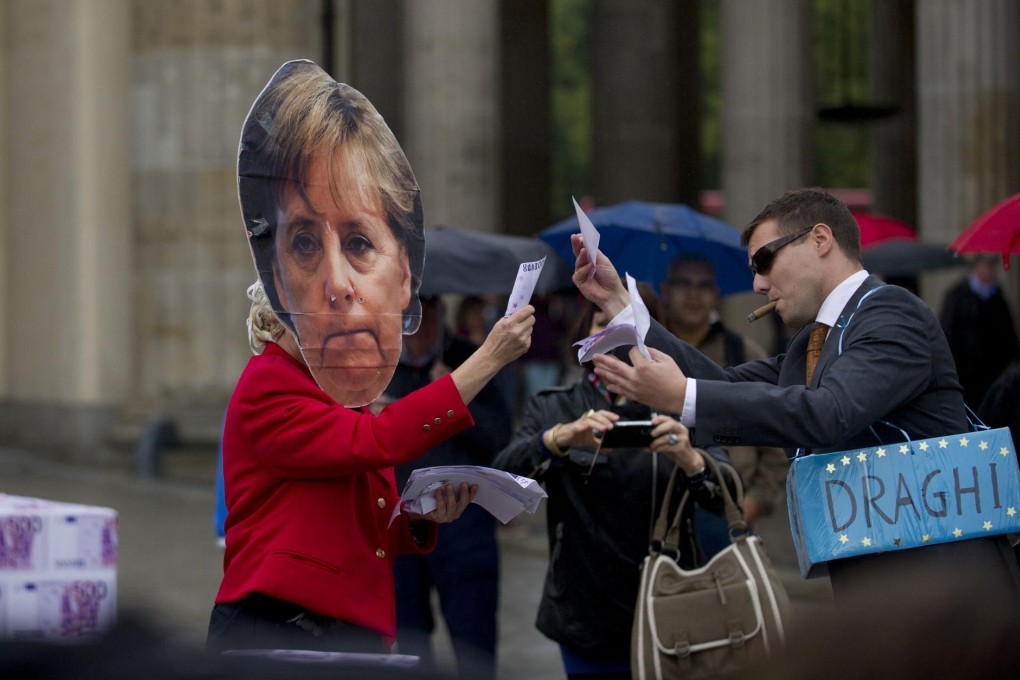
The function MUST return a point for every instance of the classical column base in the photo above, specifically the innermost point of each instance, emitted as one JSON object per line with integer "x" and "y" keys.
{"x": 73, "y": 433}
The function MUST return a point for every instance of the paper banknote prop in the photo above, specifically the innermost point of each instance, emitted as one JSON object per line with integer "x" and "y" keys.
{"x": 502, "y": 494}
{"x": 58, "y": 569}
{"x": 524, "y": 286}
{"x": 902, "y": 496}
{"x": 629, "y": 327}
{"x": 334, "y": 221}
{"x": 590, "y": 235}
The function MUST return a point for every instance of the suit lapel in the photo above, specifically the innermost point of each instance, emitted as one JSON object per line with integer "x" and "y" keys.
{"x": 794, "y": 368}
{"x": 830, "y": 351}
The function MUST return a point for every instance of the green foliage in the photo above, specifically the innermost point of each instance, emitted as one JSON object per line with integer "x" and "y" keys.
{"x": 841, "y": 78}
{"x": 570, "y": 102}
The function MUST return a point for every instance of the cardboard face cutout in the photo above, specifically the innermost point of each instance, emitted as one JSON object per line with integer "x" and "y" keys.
{"x": 334, "y": 221}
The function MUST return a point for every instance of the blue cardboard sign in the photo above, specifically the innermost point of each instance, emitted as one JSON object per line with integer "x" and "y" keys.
{"x": 900, "y": 496}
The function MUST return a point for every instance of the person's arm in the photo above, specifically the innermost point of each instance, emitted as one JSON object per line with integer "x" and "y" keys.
{"x": 605, "y": 289}
{"x": 507, "y": 341}
{"x": 662, "y": 382}
{"x": 533, "y": 447}
{"x": 302, "y": 433}
{"x": 886, "y": 363}
{"x": 706, "y": 488}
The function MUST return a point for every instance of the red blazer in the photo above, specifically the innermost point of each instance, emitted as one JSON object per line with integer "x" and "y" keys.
{"x": 310, "y": 489}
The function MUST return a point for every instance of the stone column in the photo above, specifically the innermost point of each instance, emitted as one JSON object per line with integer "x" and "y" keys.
{"x": 768, "y": 112}
{"x": 645, "y": 101}
{"x": 376, "y": 56}
{"x": 893, "y": 140}
{"x": 451, "y": 110}
{"x": 525, "y": 108}
{"x": 198, "y": 66}
{"x": 67, "y": 257}
{"x": 968, "y": 83}
{"x": 768, "y": 118}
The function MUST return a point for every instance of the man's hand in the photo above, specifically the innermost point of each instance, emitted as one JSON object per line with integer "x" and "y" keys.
{"x": 605, "y": 289}
{"x": 659, "y": 384}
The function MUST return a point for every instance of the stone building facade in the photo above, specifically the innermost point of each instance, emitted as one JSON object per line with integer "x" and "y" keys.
{"x": 122, "y": 261}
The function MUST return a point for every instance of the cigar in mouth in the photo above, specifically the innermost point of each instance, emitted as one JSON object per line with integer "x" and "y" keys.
{"x": 764, "y": 310}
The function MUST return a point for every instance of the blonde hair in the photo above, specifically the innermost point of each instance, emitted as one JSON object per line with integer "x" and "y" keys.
{"x": 263, "y": 326}
{"x": 304, "y": 114}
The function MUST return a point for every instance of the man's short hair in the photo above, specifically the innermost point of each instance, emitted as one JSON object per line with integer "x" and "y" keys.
{"x": 801, "y": 209}
{"x": 689, "y": 260}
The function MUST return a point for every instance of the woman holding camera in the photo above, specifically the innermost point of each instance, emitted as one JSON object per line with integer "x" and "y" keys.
{"x": 600, "y": 508}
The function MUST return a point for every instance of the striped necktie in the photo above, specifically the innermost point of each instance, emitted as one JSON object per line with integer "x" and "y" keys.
{"x": 814, "y": 348}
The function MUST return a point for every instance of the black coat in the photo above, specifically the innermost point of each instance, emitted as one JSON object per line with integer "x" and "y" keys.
{"x": 981, "y": 338}
{"x": 598, "y": 523}
{"x": 490, "y": 410}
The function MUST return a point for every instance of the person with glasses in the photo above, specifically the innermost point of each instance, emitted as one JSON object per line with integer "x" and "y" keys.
{"x": 690, "y": 296}
{"x": 884, "y": 370}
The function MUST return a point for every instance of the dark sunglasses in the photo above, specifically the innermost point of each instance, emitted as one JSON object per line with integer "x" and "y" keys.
{"x": 762, "y": 259}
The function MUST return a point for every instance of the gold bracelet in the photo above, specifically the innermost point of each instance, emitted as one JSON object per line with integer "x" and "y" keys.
{"x": 551, "y": 444}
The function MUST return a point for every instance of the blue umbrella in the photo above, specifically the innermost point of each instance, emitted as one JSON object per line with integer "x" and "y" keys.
{"x": 643, "y": 238}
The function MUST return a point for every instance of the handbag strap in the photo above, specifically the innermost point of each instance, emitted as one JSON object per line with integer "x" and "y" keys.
{"x": 664, "y": 539}
{"x": 659, "y": 531}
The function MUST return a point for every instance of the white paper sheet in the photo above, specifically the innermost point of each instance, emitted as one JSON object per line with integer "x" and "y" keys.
{"x": 629, "y": 327}
{"x": 524, "y": 285}
{"x": 590, "y": 235}
{"x": 502, "y": 494}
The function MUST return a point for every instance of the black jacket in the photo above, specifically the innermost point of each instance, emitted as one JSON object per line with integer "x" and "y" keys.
{"x": 598, "y": 523}
{"x": 490, "y": 410}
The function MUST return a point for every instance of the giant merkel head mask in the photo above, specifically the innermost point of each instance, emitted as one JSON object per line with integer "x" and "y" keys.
{"x": 333, "y": 217}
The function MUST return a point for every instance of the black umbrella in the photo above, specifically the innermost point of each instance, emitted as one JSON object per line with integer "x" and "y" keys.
{"x": 473, "y": 263}
{"x": 906, "y": 257}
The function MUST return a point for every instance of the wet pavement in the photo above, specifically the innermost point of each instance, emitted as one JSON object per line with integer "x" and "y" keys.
{"x": 169, "y": 565}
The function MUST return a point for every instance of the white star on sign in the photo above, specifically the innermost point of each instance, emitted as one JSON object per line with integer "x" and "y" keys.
{"x": 925, "y": 538}
{"x": 1004, "y": 451}
{"x": 983, "y": 445}
{"x": 943, "y": 443}
{"x": 964, "y": 441}
{"x": 880, "y": 453}
{"x": 1011, "y": 511}
{"x": 903, "y": 448}
{"x": 866, "y": 541}
{"x": 830, "y": 468}
{"x": 845, "y": 460}
{"x": 957, "y": 532}
{"x": 987, "y": 526}
{"x": 923, "y": 446}
{"x": 862, "y": 456}
{"x": 844, "y": 538}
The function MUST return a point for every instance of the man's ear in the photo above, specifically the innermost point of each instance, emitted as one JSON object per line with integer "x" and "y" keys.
{"x": 822, "y": 238}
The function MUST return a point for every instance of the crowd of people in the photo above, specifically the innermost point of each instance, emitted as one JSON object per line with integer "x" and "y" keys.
{"x": 356, "y": 381}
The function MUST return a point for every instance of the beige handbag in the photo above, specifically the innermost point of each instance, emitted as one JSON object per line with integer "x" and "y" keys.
{"x": 717, "y": 619}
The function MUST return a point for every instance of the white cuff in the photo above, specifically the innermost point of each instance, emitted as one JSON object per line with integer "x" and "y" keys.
{"x": 689, "y": 412}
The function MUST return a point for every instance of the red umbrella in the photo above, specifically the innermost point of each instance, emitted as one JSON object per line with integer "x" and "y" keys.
{"x": 875, "y": 228}
{"x": 997, "y": 230}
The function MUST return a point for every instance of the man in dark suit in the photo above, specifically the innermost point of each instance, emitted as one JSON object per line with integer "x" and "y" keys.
{"x": 884, "y": 373}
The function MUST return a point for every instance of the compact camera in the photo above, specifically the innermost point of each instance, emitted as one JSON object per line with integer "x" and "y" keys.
{"x": 628, "y": 434}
